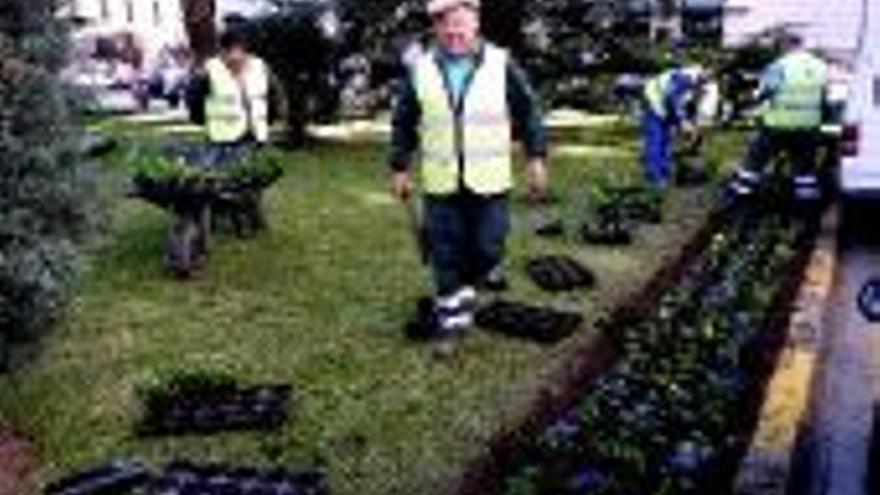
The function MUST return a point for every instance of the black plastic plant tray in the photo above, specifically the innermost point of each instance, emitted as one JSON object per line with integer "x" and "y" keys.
{"x": 115, "y": 478}
{"x": 560, "y": 273}
{"x": 607, "y": 235}
{"x": 535, "y": 323}
{"x": 551, "y": 228}
{"x": 185, "y": 478}
{"x": 638, "y": 203}
{"x": 257, "y": 408}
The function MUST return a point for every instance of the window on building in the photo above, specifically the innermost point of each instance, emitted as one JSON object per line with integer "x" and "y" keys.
{"x": 105, "y": 9}
{"x": 129, "y": 10}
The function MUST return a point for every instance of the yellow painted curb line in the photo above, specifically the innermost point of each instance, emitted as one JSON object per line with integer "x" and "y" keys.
{"x": 767, "y": 466}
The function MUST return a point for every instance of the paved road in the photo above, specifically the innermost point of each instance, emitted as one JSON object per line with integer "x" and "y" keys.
{"x": 849, "y": 385}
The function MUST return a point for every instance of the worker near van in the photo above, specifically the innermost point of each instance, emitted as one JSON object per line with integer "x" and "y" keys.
{"x": 792, "y": 92}
{"x": 665, "y": 111}
{"x": 454, "y": 111}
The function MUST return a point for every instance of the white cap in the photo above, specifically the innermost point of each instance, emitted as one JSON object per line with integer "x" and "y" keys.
{"x": 437, "y": 6}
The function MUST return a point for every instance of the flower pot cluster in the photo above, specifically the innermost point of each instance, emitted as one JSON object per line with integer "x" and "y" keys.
{"x": 206, "y": 404}
{"x": 536, "y": 323}
{"x": 183, "y": 478}
{"x": 668, "y": 415}
{"x": 559, "y": 274}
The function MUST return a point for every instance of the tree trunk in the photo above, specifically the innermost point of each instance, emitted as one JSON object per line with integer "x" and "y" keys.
{"x": 199, "y": 22}
{"x": 503, "y": 23}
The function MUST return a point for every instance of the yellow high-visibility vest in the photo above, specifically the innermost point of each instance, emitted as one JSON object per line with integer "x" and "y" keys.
{"x": 797, "y": 103}
{"x": 226, "y": 110}
{"x": 655, "y": 93}
{"x": 471, "y": 148}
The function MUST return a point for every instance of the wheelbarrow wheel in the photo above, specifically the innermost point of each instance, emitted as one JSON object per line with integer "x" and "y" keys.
{"x": 185, "y": 248}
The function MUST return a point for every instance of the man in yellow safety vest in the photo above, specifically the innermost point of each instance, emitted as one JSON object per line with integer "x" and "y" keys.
{"x": 792, "y": 90}
{"x": 234, "y": 97}
{"x": 454, "y": 113}
{"x": 666, "y": 97}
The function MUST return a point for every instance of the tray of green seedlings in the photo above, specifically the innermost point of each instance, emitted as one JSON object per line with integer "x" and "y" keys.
{"x": 199, "y": 175}
{"x": 618, "y": 206}
{"x": 671, "y": 415}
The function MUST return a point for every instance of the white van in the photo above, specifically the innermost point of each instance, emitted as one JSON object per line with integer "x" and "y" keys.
{"x": 860, "y": 144}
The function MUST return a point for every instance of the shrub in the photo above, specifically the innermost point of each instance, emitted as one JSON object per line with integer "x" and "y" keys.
{"x": 46, "y": 210}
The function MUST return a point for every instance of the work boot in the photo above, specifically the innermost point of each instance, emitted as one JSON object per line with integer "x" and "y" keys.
{"x": 454, "y": 317}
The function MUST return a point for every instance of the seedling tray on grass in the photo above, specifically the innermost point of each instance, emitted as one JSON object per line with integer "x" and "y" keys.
{"x": 184, "y": 478}
{"x": 116, "y": 478}
{"x": 539, "y": 324}
{"x": 613, "y": 234}
{"x": 217, "y": 409}
{"x": 637, "y": 203}
{"x": 560, "y": 273}
{"x": 551, "y": 228}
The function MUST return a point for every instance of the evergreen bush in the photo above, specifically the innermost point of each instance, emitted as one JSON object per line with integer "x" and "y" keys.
{"x": 46, "y": 205}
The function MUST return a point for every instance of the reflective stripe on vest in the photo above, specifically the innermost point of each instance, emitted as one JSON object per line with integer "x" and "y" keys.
{"x": 655, "y": 93}
{"x": 226, "y": 116}
{"x": 476, "y": 143}
{"x": 797, "y": 103}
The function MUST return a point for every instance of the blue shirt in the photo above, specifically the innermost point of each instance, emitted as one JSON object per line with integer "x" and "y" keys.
{"x": 457, "y": 69}
{"x": 676, "y": 96}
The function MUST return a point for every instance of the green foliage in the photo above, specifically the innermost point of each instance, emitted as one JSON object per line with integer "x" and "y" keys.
{"x": 46, "y": 209}
{"x": 155, "y": 386}
{"x": 156, "y": 173}
{"x": 660, "y": 419}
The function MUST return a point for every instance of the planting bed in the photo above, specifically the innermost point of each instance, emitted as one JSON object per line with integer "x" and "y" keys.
{"x": 672, "y": 409}
{"x": 559, "y": 273}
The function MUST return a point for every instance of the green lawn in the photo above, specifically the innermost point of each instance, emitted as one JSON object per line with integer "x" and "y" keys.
{"x": 320, "y": 302}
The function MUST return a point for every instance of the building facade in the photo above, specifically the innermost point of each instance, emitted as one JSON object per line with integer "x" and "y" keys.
{"x": 832, "y": 26}
{"x": 152, "y": 25}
